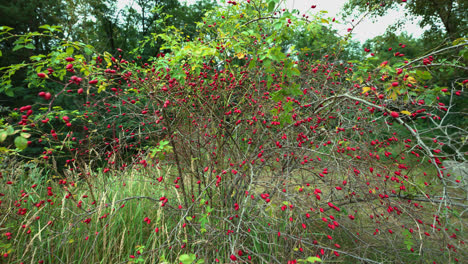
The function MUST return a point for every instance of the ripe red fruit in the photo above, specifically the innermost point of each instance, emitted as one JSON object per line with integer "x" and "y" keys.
{"x": 394, "y": 84}
{"x": 233, "y": 258}
{"x": 41, "y": 75}
{"x": 47, "y": 96}
{"x": 93, "y": 81}
{"x": 80, "y": 91}
{"x": 69, "y": 59}
{"x": 394, "y": 114}
{"x": 41, "y": 94}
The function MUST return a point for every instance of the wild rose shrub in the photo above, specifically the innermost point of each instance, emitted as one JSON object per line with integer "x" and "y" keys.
{"x": 228, "y": 148}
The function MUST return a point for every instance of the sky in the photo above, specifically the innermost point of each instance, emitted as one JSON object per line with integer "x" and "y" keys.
{"x": 367, "y": 29}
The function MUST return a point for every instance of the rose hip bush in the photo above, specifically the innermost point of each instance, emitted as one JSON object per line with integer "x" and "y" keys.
{"x": 228, "y": 148}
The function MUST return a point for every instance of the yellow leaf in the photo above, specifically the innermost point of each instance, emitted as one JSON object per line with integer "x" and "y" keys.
{"x": 101, "y": 88}
{"x": 411, "y": 80}
{"x": 365, "y": 89}
{"x": 393, "y": 96}
{"x": 240, "y": 55}
{"x": 405, "y": 112}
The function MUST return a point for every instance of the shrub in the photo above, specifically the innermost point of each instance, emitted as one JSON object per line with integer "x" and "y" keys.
{"x": 228, "y": 148}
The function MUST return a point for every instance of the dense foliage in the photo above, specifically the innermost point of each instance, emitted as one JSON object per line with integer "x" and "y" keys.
{"x": 239, "y": 143}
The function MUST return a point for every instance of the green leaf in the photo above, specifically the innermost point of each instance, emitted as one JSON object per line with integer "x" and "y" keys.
{"x": 288, "y": 107}
{"x": 21, "y": 143}
{"x": 88, "y": 51}
{"x": 3, "y": 135}
{"x": 25, "y": 135}
{"x": 276, "y": 54}
{"x": 162, "y": 143}
{"x": 271, "y": 6}
{"x": 278, "y": 25}
{"x": 7, "y": 246}
{"x": 5, "y": 28}
{"x": 9, "y": 93}
{"x": 429, "y": 99}
{"x": 37, "y": 58}
{"x": 277, "y": 96}
{"x": 69, "y": 51}
{"x": 203, "y": 220}
{"x": 10, "y": 130}
{"x": 423, "y": 75}
{"x": 313, "y": 259}
{"x": 269, "y": 81}
{"x": 285, "y": 119}
{"x": 187, "y": 259}
{"x": 295, "y": 72}
{"x": 17, "y": 47}
{"x": 30, "y": 46}
{"x": 45, "y": 26}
